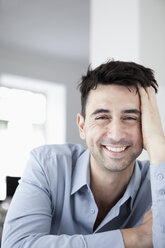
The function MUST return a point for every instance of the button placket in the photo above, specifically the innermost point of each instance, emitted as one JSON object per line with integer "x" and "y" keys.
{"x": 92, "y": 203}
{"x": 160, "y": 176}
{"x": 92, "y": 211}
{"x": 161, "y": 192}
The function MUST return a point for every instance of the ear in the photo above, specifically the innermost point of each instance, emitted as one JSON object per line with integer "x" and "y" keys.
{"x": 81, "y": 124}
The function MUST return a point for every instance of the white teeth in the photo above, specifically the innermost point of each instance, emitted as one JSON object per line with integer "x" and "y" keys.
{"x": 116, "y": 149}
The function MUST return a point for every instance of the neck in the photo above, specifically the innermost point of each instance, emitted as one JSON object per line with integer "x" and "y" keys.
{"x": 108, "y": 187}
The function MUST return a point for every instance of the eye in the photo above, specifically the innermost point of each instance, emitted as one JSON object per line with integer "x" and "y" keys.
{"x": 130, "y": 118}
{"x": 102, "y": 117}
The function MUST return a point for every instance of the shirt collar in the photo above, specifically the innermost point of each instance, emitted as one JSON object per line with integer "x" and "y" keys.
{"x": 81, "y": 174}
{"x": 81, "y": 177}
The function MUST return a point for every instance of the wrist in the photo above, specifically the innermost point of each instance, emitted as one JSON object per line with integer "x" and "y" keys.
{"x": 157, "y": 152}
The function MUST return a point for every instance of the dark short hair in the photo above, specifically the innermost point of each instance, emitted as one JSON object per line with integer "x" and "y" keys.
{"x": 115, "y": 72}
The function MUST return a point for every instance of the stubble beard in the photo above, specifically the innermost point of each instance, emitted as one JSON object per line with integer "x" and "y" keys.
{"x": 115, "y": 164}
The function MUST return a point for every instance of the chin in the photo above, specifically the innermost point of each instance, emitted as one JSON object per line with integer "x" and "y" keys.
{"x": 120, "y": 165}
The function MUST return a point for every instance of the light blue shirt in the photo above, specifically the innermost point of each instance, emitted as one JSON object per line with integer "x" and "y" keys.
{"x": 54, "y": 206}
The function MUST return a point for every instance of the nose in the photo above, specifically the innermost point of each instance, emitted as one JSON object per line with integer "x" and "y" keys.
{"x": 116, "y": 130}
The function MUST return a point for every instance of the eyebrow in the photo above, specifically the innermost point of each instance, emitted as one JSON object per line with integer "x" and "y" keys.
{"x": 131, "y": 111}
{"x": 99, "y": 111}
{"x": 126, "y": 111}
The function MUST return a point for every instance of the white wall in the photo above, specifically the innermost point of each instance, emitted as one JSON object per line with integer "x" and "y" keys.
{"x": 114, "y": 30}
{"x": 152, "y": 36}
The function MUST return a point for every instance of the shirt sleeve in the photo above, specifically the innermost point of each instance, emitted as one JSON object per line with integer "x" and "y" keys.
{"x": 158, "y": 204}
{"x": 28, "y": 221}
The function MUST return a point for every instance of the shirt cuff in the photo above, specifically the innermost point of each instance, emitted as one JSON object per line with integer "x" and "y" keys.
{"x": 105, "y": 239}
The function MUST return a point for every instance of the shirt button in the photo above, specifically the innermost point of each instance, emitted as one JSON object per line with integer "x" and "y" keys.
{"x": 92, "y": 211}
{"x": 162, "y": 192}
{"x": 160, "y": 176}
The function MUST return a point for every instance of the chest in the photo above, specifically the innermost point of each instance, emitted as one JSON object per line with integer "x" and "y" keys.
{"x": 102, "y": 212}
{"x": 79, "y": 213}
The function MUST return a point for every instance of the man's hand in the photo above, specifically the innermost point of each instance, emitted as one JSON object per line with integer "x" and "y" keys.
{"x": 140, "y": 236}
{"x": 152, "y": 131}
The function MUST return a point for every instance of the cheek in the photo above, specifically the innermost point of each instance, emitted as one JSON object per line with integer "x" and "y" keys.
{"x": 137, "y": 135}
{"x": 94, "y": 132}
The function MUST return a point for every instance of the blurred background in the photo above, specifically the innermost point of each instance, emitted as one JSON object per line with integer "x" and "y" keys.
{"x": 45, "y": 48}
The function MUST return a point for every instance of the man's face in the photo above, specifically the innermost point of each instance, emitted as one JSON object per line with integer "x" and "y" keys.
{"x": 112, "y": 128}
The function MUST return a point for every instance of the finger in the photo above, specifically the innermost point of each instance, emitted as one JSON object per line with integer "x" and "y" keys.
{"x": 150, "y": 90}
{"x": 147, "y": 95}
{"x": 152, "y": 98}
{"x": 143, "y": 95}
{"x": 142, "y": 91}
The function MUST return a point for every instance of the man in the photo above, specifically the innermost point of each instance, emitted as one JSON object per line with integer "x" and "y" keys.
{"x": 101, "y": 196}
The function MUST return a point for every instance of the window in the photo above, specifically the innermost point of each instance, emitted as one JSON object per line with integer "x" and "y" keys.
{"x": 28, "y": 118}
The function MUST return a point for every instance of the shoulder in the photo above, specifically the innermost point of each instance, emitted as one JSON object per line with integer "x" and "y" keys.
{"x": 50, "y": 160}
{"x": 52, "y": 155}
{"x": 48, "y": 151}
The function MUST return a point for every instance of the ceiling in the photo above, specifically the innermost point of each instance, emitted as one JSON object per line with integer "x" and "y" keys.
{"x": 52, "y": 27}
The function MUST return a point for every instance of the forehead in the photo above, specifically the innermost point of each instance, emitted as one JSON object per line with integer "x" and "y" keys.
{"x": 113, "y": 96}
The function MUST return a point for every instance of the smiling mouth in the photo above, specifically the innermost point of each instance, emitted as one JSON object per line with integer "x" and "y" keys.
{"x": 116, "y": 149}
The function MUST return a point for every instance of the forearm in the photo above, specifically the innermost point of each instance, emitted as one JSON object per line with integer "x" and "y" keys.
{"x": 137, "y": 237}
{"x": 152, "y": 129}
{"x": 157, "y": 151}
{"x": 109, "y": 239}
{"x": 140, "y": 236}
{"x": 157, "y": 172}
{"x": 42, "y": 241}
